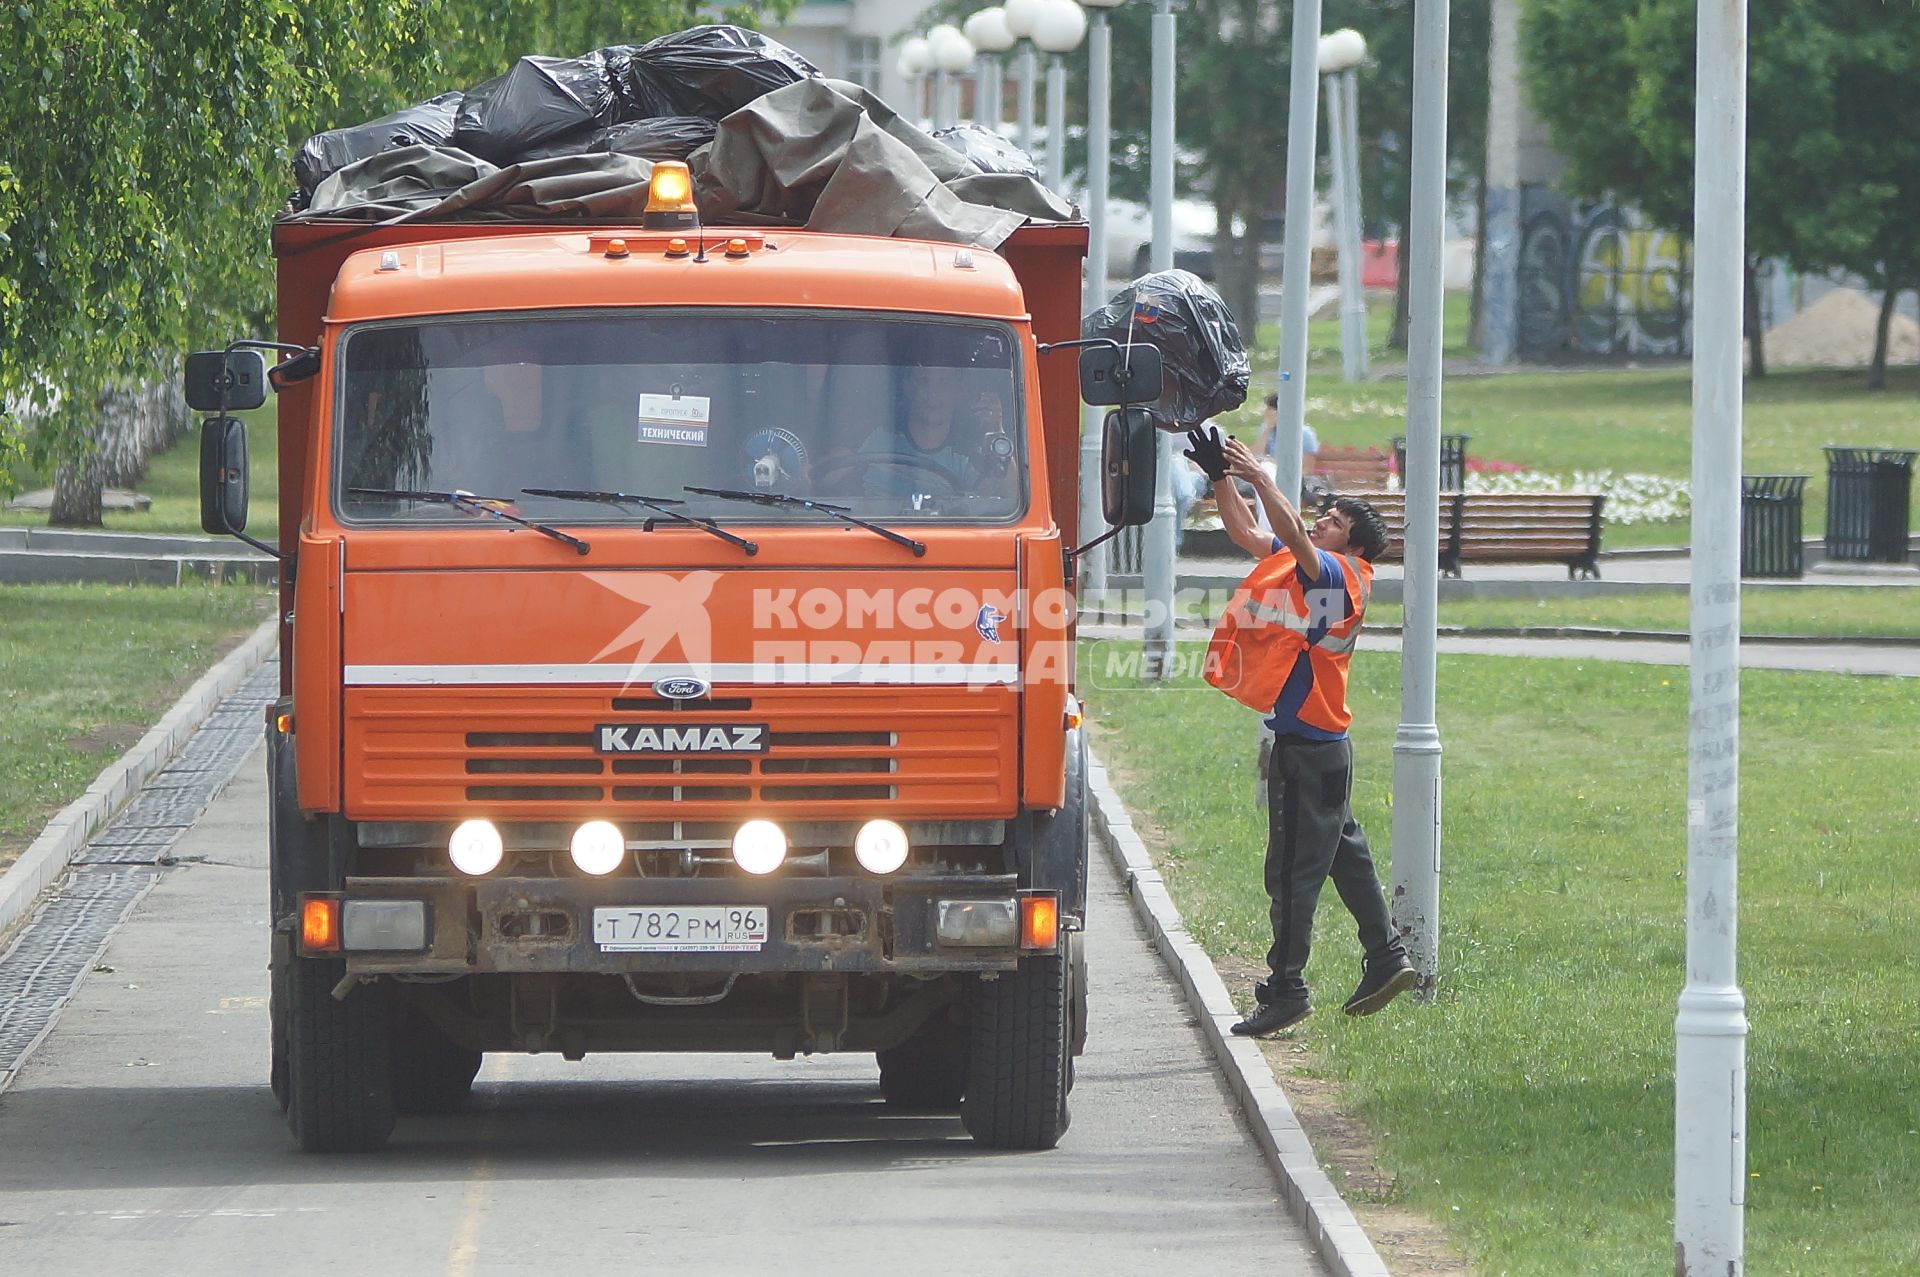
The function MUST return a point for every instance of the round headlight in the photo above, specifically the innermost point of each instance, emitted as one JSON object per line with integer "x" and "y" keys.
{"x": 599, "y": 847}
{"x": 475, "y": 847}
{"x": 881, "y": 846}
{"x": 759, "y": 847}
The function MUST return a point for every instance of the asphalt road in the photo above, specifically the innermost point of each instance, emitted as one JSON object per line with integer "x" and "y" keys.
{"x": 141, "y": 1138}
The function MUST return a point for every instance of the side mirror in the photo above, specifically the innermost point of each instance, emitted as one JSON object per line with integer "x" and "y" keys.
{"x": 226, "y": 380}
{"x": 1129, "y": 453}
{"x": 223, "y": 476}
{"x": 1120, "y": 374}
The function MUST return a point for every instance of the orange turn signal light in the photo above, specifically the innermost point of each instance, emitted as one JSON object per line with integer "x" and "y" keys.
{"x": 1039, "y": 922}
{"x": 283, "y": 723}
{"x": 320, "y": 924}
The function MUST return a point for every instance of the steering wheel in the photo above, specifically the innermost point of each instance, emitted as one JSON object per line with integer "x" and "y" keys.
{"x": 825, "y": 471}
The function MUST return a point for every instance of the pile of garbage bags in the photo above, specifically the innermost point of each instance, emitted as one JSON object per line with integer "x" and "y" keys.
{"x": 769, "y": 140}
{"x": 659, "y": 101}
{"x": 1205, "y": 362}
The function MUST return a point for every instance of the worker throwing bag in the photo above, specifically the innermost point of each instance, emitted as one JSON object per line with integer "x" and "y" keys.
{"x": 1283, "y": 647}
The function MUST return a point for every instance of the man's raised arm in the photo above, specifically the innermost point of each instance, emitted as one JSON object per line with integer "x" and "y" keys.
{"x": 1286, "y": 521}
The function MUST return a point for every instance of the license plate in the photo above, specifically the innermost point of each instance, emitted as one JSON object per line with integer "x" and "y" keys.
{"x": 683, "y": 929}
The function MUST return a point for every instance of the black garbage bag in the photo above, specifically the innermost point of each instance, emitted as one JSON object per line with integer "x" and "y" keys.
{"x": 535, "y": 103}
{"x": 1206, "y": 364}
{"x": 669, "y": 137}
{"x": 709, "y": 71}
{"x": 428, "y": 124}
{"x": 990, "y": 152}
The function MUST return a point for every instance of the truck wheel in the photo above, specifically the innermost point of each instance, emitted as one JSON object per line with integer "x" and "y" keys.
{"x": 1077, "y": 1001}
{"x": 929, "y": 1069}
{"x": 430, "y": 1073}
{"x": 1018, "y": 1065}
{"x": 339, "y": 1097}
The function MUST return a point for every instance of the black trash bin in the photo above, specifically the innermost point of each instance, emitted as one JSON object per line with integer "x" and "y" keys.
{"x": 1869, "y": 502}
{"x": 1453, "y": 461}
{"x": 1770, "y": 525}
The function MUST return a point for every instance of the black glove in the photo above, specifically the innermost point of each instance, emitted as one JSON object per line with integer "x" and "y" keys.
{"x": 1208, "y": 452}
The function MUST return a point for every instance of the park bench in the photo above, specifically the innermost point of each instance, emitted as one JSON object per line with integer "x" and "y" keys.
{"x": 1346, "y": 470}
{"x": 1527, "y": 527}
{"x": 1504, "y": 527}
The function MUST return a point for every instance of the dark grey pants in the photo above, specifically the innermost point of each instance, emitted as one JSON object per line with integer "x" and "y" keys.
{"x": 1312, "y": 836}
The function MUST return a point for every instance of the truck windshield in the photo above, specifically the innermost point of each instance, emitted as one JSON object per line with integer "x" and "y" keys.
{"x": 894, "y": 418}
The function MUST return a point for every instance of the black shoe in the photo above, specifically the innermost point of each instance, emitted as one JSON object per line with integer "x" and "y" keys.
{"x": 1380, "y": 983}
{"x": 1269, "y": 1018}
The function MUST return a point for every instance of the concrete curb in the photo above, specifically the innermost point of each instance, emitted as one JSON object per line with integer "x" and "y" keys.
{"x": 48, "y": 856}
{"x": 1310, "y": 1195}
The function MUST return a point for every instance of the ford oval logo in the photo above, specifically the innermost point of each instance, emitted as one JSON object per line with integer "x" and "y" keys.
{"x": 681, "y": 689}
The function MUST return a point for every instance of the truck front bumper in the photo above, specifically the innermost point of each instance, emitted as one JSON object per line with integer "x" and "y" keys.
{"x": 815, "y": 925}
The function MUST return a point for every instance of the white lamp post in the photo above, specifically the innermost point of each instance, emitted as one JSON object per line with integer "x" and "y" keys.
{"x": 1340, "y": 53}
{"x": 1099, "y": 159}
{"x": 1061, "y": 26}
{"x": 952, "y": 55}
{"x": 1156, "y": 557}
{"x": 987, "y": 30}
{"x": 1021, "y": 15}
{"x": 916, "y": 59}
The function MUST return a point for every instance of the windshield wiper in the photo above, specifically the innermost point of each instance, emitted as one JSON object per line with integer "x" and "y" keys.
{"x": 462, "y": 500}
{"x": 836, "y": 511}
{"x": 659, "y": 505}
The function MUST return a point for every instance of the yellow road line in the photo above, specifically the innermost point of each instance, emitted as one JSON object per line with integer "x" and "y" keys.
{"x": 466, "y": 1242}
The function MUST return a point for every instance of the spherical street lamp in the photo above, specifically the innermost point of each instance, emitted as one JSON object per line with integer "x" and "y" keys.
{"x": 1021, "y": 15}
{"x": 1342, "y": 50}
{"x": 1060, "y": 26}
{"x": 987, "y": 30}
{"x": 952, "y": 54}
{"x": 914, "y": 62}
{"x": 1340, "y": 53}
{"x": 1058, "y": 29}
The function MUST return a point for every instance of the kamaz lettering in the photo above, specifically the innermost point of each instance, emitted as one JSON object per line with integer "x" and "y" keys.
{"x": 681, "y": 738}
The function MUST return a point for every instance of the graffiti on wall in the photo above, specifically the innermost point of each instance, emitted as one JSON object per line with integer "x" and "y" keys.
{"x": 1598, "y": 279}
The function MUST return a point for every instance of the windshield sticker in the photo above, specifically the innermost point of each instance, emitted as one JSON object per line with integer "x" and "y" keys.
{"x": 678, "y": 419}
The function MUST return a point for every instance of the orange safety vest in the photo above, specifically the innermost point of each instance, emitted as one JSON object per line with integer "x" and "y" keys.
{"x": 1265, "y": 628}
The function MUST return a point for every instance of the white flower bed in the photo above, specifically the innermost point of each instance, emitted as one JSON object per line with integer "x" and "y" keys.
{"x": 1631, "y": 498}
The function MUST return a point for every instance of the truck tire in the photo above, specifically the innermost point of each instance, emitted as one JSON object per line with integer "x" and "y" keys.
{"x": 339, "y": 1096}
{"x": 429, "y": 1072}
{"x": 929, "y": 1069}
{"x": 1018, "y": 1067}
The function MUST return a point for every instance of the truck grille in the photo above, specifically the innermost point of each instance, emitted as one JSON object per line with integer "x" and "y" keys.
{"x": 415, "y": 753}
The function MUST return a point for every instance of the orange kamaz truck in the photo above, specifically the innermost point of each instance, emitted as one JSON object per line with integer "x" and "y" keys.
{"x": 675, "y": 655}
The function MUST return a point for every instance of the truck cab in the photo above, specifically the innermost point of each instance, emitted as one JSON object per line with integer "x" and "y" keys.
{"x": 676, "y": 656}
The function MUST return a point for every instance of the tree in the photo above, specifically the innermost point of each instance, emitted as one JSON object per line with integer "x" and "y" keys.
{"x": 1231, "y": 111}
{"x": 144, "y": 146}
{"x": 1832, "y": 177}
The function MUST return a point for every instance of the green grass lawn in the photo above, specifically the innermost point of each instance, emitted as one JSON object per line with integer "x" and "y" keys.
{"x": 85, "y": 670}
{"x": 1529, "y": 1108}
{"x": 1826, "y": 612}
{"x": 173, "y": 481}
